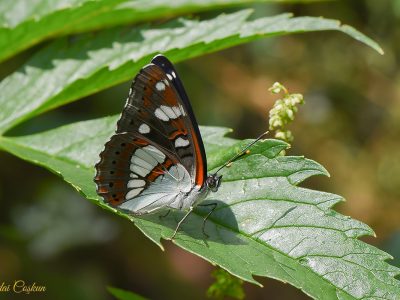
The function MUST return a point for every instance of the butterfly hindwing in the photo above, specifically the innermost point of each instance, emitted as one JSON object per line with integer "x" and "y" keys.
{"x": 129, "y": 168}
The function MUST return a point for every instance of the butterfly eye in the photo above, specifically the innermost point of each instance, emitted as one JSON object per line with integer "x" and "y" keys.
{"x": 210, "y": 182}
{"x": 213, "y": 182}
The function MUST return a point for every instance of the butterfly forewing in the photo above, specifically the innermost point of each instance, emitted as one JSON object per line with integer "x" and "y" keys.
{"x": 156, "y": 155}
{"x": 197, "y": 147}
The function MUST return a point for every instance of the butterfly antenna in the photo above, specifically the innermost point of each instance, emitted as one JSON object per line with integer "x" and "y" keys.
{"x": 243, "y": 152}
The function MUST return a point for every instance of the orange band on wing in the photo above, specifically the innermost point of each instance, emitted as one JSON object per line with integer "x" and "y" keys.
{"x": 199, "y": 161}
{"x": 176, "y": 133}
{"x": 159, "y": 170}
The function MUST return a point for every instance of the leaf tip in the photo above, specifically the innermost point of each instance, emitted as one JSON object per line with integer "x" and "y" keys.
{"x": 354, "y": 33}
{"x": 325, "y": 171}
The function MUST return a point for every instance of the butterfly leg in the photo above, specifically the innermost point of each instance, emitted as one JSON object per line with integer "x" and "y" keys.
{"x": 181, "y": 221}
{"x": 214, "y": 206}
{"x": 165, "y": 215}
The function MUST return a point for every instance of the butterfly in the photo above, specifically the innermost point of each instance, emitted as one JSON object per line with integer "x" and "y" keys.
{"x": 156, "y": 158}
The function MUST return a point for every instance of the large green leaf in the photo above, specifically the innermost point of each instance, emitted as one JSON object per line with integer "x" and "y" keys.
{"x": 27, "y": 22}
{"x": 24, "y": 23}
{"x": 68, "y": 70}
{"x": 265, "y": 224}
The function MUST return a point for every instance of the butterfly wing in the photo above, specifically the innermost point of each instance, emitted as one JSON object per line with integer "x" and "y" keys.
{"x": 176, "y": 95}
{"x": 156, "y": 159}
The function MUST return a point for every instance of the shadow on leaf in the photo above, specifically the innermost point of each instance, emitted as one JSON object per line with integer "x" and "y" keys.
{"x": 221, "y": 226}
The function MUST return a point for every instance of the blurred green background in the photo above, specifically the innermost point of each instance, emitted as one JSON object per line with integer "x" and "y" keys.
{"x": 350, "y": 124}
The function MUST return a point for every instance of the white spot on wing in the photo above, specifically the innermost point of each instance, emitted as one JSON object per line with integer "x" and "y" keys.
{"x": 169, "y": 76}
{"x": 180, "y": 142}
{"x": 144, "y": 128}
{"x": 161, "y": 115}
{"x": 133, "y": 175}
{"x": 139, "y": 170}
{"x": 182, "y": 110}
{"x": 146, "y": 156}
{"x": 142, "y": 163}
{"x": 177, "y": 111}
{"x": 133, "y": 193}
{"x": 155, "y": 153}
{"x": 160, "y": 86}
{"x": 168, "y": 111}
{"x": 135, "y": 183}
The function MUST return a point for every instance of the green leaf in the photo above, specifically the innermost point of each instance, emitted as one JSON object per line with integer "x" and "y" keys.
{"x": 265, "y": 224}
{"x": 67, "y": 70}
{"x": 124, "y": 295}
{"x": 25, "y": 23}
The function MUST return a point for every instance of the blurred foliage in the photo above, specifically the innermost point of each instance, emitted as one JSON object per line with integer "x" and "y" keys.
{"x": 351, "y": 122}
{"x": 225, "y": 285}
{"x": 124, "y": 295}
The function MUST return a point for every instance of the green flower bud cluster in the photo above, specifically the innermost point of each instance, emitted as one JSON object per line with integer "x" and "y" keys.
{"x": 283, "y": 112}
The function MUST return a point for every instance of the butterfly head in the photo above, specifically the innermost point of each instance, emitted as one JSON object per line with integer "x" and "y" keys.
{"x": 213, "y": 182}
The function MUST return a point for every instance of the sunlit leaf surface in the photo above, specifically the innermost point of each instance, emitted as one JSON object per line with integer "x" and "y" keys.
{"x": 24, "y": 23}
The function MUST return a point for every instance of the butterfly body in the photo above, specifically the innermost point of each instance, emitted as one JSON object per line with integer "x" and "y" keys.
{"x": 156, "y": 158}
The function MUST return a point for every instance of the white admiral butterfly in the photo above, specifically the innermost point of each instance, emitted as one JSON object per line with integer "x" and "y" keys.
{"x": 156, "y": 158}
